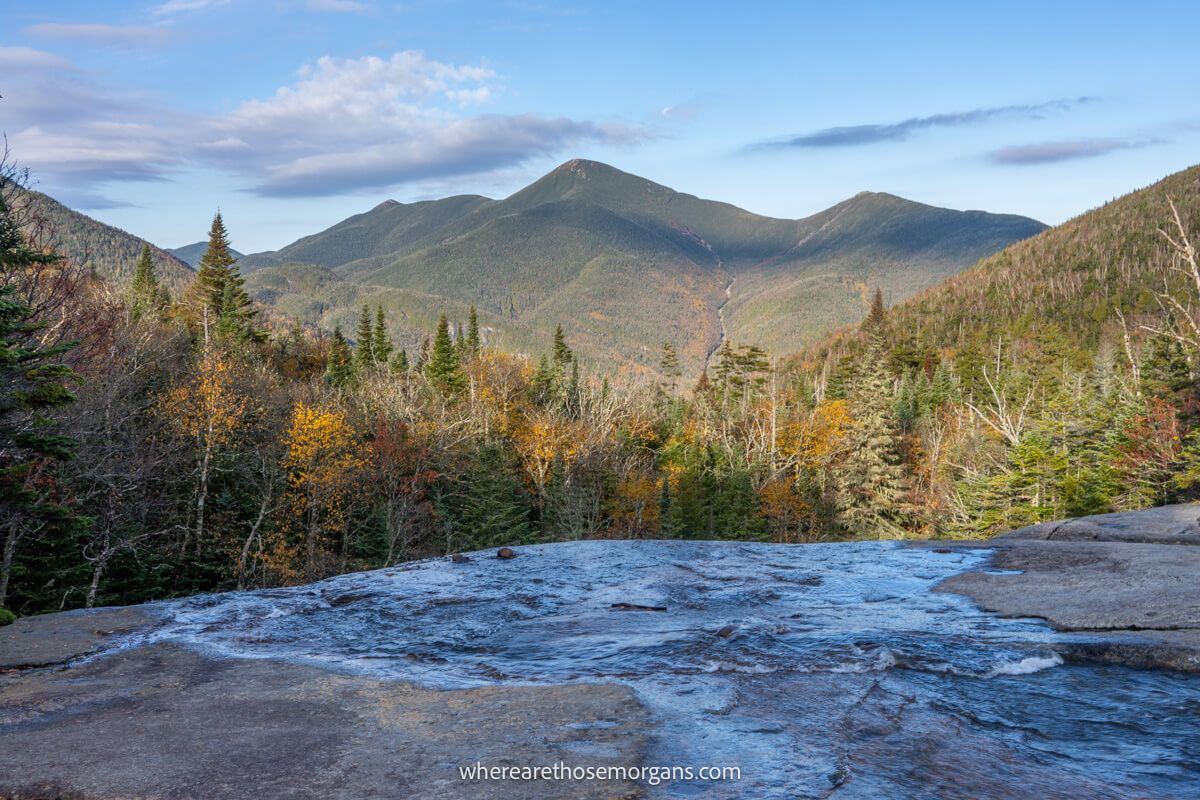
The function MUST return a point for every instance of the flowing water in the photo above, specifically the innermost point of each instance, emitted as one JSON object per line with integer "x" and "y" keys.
{"x": 842, "y": 674}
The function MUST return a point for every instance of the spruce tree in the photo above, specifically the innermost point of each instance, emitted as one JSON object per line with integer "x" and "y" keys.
{"x": 542, "y": 385}
{"x": 33, "y": 383}
{"x": 1165, "y": 369}
{"x": 474, "y": 344}
{"x": 487, "y": 507}
{"x": 400, "y": 362}
{"x": 339, "y": 368}
{"x": 145, "y": 294}
{"x": 666, "y": 522}
{"x": 219, "y": 292}
{"x": 876, "y": 319}
{"x": 423, "y": 354}
{"x": 562, "y": 354}
{"x": 381, "y": 343}
{"x": 668, "y": 364}
{"x": 870, "y": 484}
{"x": 443, "y": 368}
{"x": 364, "y": 350}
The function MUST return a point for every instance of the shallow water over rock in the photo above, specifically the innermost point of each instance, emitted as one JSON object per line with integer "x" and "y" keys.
{"x": 817, "y": 669}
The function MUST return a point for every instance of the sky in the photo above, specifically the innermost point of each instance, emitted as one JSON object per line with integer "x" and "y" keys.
{"x": 290, "y": 115}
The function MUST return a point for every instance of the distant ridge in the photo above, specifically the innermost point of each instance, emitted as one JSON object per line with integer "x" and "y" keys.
{"x": 109, "y": 252}
{"x": 190, "y": 254}
{"x": 624, "y": 264}
{"x": 1071, "y": 278}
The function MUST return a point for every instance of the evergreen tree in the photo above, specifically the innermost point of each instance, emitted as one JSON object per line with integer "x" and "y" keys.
{"x": 487, "y": 507}
{"x": 381, "y": 343}
{"x": 400, "y": 362}
{"x": 33, "y": 383}
{"x": 423, "y": 354}
{"x": 474, "y": 343}
{"x": 1165, "y": 369}
{"x": 941, "y": 389}
{"x": 364, "y": 344}
{"x": 145, "y": 294}
{"x": 339, "y": 368}
{"x": 666, "y": 521}
{"x": 562, "y": 354}
{"x": 219, "y": 292}
{"x": 875, "y": 323}
{"x": 736, "y": 508}
{"x": 870, "y": 483}
{"x": 542, "y": 385}
{"x": 443, "y": 368}
{"x": 668, "y": 364}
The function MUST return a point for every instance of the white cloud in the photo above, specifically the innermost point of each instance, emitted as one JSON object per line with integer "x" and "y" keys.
{"x": 342, "y": 6}
{"x": 26, "y": 59}
{"x": 100, "y": 34}
{"x": 343, "y": 125}
{"x": 177, "y": 6}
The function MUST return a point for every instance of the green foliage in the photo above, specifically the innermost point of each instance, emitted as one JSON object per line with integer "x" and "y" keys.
{"x": 339, "y": 367}
{"x": 623, "y": 261}
{"x": 146, "y": 295}
{"x": 381, "y": 343}
{"x": 33, "y": 383}
{"x": 7, "y": 617}
{"x": 443, "y": 368}
{"x": 487, "y": 506}
{"x": 364, "y": 349}
{"x": 219, "y": 290}
{"x": 473, "y": 342}
{"x": 871, "y": 481}
{"x": 399, "y": 364}
{"x": 109, "y": 252}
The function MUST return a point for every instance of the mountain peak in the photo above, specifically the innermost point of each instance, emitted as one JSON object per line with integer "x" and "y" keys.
{"x": 582, "y": 166}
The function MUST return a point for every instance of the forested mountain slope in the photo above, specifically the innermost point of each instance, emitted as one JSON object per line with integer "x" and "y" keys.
{"x": 109, "y": 252}
{"x": 624, "y": 264}
{"x": 1075, "y": 276}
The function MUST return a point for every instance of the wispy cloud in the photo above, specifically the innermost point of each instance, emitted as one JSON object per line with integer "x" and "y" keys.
{"x": 177, "y": 6}
{"x": 27, "y": 59}
{"x": 339, "y": 6}
{"x": 343, "y": 125}
{"x": 104, "y": 35}
{"x": 682, "y": 112}
{"x": 1054, "y": 152}
{"x": 857, "y": 135}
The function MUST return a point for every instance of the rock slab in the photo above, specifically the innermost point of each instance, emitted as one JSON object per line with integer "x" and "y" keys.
{"x": 1127, "y": 584}
{"x": 162, "y": 721}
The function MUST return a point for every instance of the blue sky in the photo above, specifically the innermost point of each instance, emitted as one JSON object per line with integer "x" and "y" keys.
{"x": 293, "y": 114}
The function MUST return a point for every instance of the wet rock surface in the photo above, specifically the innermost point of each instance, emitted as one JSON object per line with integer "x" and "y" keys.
{"x": 1127, "y": 585}
{"x": 817, "y": 670}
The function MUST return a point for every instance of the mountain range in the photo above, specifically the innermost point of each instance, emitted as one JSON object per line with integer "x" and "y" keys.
{"x": 623, "y": 264}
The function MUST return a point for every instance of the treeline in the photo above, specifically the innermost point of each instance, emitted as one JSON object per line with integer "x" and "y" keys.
{"x": 153, "y": 446}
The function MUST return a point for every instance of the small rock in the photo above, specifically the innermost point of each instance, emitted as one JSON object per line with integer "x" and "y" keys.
{"x": 942, "y": 550}
{"x": 635, "y": 607}
{"x": 727, "y": 631}
{"x": 506, "y": 552}
{"x": 459, "y": 558}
